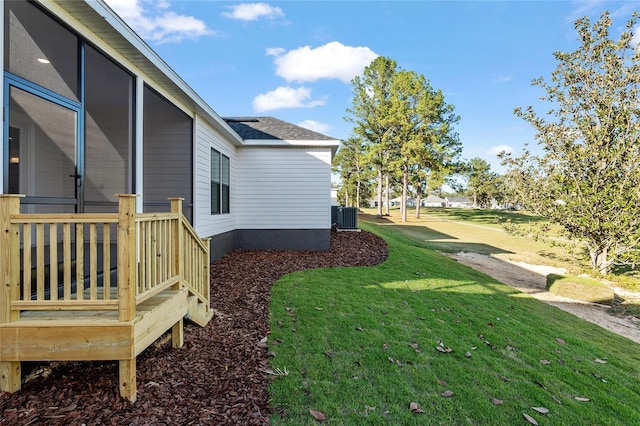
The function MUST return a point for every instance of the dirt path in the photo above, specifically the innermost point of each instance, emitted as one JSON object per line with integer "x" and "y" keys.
{"x": 531, "y": 279}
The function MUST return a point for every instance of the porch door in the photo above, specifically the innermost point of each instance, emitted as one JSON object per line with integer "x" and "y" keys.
{"x": 43, "y": 152}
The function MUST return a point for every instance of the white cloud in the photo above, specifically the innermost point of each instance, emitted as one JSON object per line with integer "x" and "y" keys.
{"x": 316, "y": 126}
{"x": 155, "y": 22}
{"x": 286, "y": 97}
{"x": 253, "y": 11}
{"x": 502, "y": 79}
{"x": 332, "y": 60}
{"x": 275, "y": 51}
{"x": 582, "y": 8}
{"x": 593, "y": 9}
{"x": 501, "y": 148}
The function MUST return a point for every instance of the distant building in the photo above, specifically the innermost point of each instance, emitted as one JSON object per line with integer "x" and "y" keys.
{"x": 434, "y": 201}
{"x": 460, "y": 202}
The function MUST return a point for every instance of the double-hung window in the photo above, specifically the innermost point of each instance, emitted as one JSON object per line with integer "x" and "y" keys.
{"x": 220, "y": 182}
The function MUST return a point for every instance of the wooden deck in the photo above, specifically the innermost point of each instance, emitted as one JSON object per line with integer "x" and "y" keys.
{"x": 59, "y": 302}
{"x": 90, "y": 335}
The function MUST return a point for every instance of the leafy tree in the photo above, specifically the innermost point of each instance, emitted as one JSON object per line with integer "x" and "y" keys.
{"x": 368, "y": 113}
{"x": 483, "y": 184}
{"x": 349, "y": 162}
{"x": 421, "y": 123}
{"x": 406, "y": 123}
{"x": 587, "y": 178}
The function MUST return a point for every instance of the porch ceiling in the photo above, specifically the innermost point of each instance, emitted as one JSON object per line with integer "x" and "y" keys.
{"x": 107, "y": 25}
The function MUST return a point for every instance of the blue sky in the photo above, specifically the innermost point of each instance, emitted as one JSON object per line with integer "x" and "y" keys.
{"x": 294, "y": 59}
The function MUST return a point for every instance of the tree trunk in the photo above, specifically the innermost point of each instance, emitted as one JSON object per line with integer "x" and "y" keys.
{"x": 386, "y": 206}
{"x": 358, "y": 195}
{"x": 405, "y": 179}
{"x": 379, "y": 212}
{"x": 418, "y": 205}
{"x": 599, "y": 259}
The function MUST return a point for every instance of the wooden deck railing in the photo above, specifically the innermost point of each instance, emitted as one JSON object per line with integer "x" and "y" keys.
{"x": 66, "y": 261}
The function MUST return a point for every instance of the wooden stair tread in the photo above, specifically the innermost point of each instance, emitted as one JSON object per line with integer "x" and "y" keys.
{"x": 93, "y": 317}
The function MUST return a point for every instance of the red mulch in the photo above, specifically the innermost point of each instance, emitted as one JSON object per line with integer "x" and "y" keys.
{"x": 215, "y": 378}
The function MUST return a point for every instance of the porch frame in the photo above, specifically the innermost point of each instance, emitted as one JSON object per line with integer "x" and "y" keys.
{"x": 162, "y": 276}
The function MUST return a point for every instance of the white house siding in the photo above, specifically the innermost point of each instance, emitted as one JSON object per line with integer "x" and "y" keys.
{"x": 283, "y": 188}
{"x": 206, "y": 138}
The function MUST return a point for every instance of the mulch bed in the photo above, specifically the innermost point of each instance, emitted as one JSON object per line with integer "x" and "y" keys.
{"x": 215, "y": 378}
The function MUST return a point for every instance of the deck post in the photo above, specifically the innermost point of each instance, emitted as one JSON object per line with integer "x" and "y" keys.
{"x": 176, "y": 207}
{"x": 10, "y": 371}
{"x": 127, "y": 262}
{"x": 127, "y": 284}
{"x": 177, "y": 331}
{"x": 127, "y": 373}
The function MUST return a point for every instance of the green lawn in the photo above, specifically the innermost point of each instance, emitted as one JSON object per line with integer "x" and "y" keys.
{"x": 480, "y": 231}
{"x": 360, "y": 345}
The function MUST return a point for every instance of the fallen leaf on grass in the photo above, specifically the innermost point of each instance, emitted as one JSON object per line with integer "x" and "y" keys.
{"x": 559, "y": 340}
{"x": 275, "y": 372}
{"x": 540, "y": 410}
{"x": 530, "y": 419}
{"x": 582, "y": 399}
{"x": 447, "y": 394}
{"x": 601, "y": 361}
{"x": 317, "y": 415}
{"x": 444, "y": 349}
{"x": 468, "y": 354}
{"x": 496, "y": 401}
{"x": 541, "y": 385}
{"x": 415, "y": 408}
{"x": 385, "y": 346}
{"x": 545, "y": 362}
{"x": 358, "y": 328}
{"x": 442, "y": 382}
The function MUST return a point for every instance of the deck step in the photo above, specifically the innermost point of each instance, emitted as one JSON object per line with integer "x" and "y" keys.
{"x": 198, "y": 312}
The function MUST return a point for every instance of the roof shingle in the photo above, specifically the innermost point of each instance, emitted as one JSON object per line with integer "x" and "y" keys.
{"x": 270, "y": 128}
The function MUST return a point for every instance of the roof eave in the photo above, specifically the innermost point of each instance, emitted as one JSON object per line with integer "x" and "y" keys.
{"x": 149, "y": 61}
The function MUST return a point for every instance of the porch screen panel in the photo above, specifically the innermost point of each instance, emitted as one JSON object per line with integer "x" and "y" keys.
{"x": 109, "y": 130}
{"x": 167, "y": 154}
{"x": 43, "y": 146}
{"x": 39, "y": 49}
